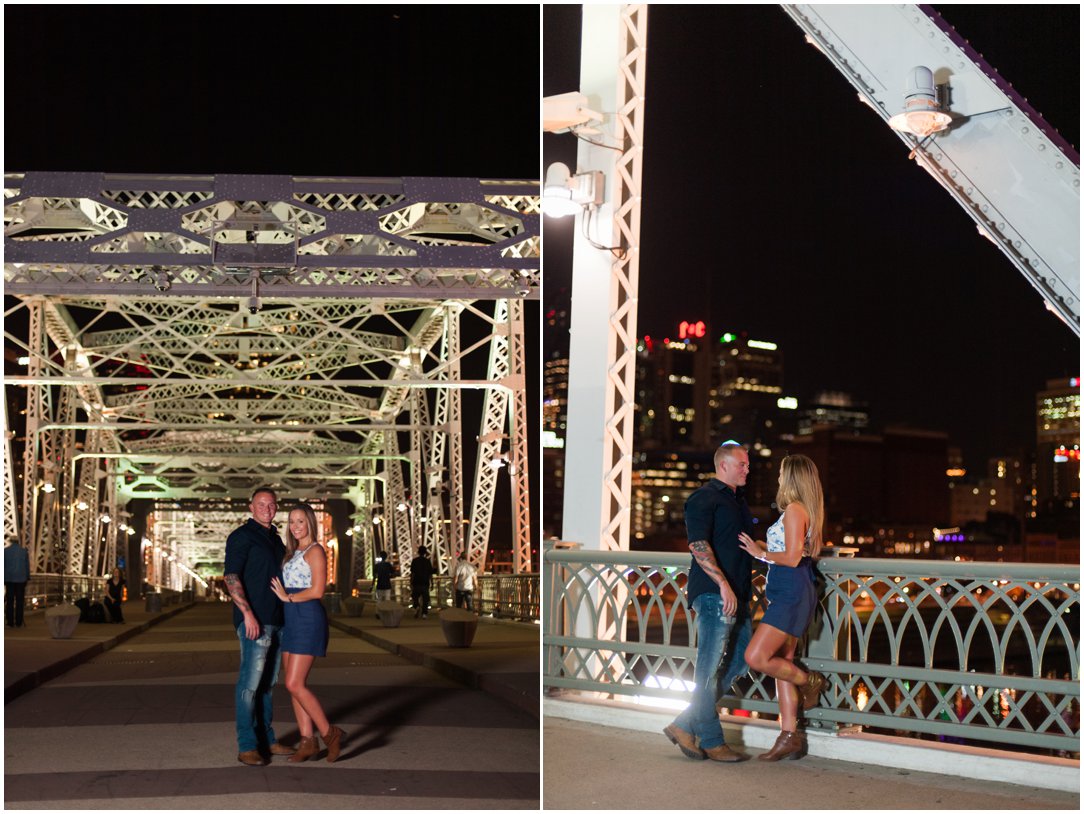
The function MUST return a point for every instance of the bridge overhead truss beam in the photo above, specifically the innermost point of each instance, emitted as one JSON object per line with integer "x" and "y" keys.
{"x": 428, "y": 238}
{"x": 251, "y": 349}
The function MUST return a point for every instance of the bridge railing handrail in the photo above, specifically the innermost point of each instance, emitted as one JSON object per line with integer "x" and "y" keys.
{"x": 504, "y": 596}
{"x": 901, "y": 642}
{"x": 47, "y": 590}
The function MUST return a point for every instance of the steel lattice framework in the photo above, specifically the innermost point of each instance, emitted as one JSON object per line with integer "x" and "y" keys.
{"x": 192, "y": 338}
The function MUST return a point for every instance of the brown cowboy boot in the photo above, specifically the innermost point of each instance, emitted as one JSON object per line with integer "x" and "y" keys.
{"x": 811, "y": 690}
{"x": 333, "y": 739}
{"x": 788, "y": 746}
{"x": 306, "y": 748}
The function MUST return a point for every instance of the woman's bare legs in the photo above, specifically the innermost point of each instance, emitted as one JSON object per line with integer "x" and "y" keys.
{"x": 766, "y": 654}
{"x": 304, "y": 722}
{"x": 306, "y": 707}
{"x": 787, "y": 694}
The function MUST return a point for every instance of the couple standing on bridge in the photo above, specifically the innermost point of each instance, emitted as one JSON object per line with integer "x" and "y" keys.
{"x": 276, "y": 590}
{"x": 720, "y": 527}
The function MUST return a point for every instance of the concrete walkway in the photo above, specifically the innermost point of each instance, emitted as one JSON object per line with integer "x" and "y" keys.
{"x": 503, "y": 659}
{"x": 588, "y": 765}
{"x": 140, "y": 716}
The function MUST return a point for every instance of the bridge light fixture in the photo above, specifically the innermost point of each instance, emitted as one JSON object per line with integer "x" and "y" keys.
{"x": 566, "y": 194}
{"x": 922, "y": 115}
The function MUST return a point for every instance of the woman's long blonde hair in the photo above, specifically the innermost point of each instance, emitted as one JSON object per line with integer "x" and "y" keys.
{"x": 801, "y": 483}
{"x": 291, "y": 541}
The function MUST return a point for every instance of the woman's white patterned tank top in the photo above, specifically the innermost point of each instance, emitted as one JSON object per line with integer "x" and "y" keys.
{"x": 296, "y": 573}
{"x": 777, "y": 538}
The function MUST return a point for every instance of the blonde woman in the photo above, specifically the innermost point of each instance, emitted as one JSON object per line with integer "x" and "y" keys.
{"x": 305, "y": 632}
{"x": 794, "y": 541}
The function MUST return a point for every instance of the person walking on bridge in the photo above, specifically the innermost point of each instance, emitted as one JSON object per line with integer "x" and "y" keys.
{"x": 463, "y": 578}
{"x": 254, "y": 555}
{"x": 304, "y": 577}
{"x": 719, "y": 589}
{"x": 794, "y": 541}
{"x": 421, "y": 577}
{"x": 16, "y": 575}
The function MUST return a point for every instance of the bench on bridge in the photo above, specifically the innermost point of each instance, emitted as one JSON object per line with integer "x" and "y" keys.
{"x": 458, "y": 626}
{"x": 390, "y": 614}
{"x": 62, "y": 620}
{"x": 354, "y": 605}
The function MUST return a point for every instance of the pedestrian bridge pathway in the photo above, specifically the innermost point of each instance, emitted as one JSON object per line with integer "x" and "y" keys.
{"x": 609, "y": 756}
{"x": 140, "y": 716}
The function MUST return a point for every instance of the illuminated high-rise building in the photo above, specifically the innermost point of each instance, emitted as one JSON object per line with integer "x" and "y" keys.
{"x": 672, "y": 380}
{"x": 554, "y": 411}
{"x": 833, "y": 409}
{"x": 1057, "y": 436}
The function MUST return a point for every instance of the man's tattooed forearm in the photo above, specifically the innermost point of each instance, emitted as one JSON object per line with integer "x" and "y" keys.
{"x": 233, "y": 585}
{"x": 704, "y": 555}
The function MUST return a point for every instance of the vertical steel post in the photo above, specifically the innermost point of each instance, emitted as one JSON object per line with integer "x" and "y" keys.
{"x": 602, "y": 365}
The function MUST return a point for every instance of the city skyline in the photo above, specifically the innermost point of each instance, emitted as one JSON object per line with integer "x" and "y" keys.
{"x": 833, "y": 245}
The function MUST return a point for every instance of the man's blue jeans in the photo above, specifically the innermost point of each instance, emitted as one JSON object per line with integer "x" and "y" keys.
{"x": 255, "y": 681}
{"x": 717, "y": 636}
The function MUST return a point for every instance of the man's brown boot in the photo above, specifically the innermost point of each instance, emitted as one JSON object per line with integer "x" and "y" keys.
{"x": 685, "y": 741}
{"x": 723, "y": 754}
{"x": 252, "y": 758}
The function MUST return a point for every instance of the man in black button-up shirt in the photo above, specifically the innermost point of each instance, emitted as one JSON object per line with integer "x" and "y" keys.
{"x": 719, "y": 590}
{"x": 254, "y": 555}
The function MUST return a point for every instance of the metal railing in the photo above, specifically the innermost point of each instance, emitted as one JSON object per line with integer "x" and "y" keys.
{"x": 503, "y": 596}
{"x": 960, "y": 651}
{"x": 47, "y": 590}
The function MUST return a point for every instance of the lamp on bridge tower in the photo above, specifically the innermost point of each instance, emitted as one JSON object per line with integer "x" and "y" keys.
{"x": 566, "y": 194}
{"x": 922, "y": 115}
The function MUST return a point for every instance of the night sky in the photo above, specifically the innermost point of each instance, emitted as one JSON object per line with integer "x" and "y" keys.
{"x": 774, "y": 202}
{"x": 355, "y": 91}
{"x": 348, "y": 90}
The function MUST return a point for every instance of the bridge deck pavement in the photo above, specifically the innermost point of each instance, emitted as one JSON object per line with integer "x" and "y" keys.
{"x": 146, "y": 721}
{"x": 592, "y": 767}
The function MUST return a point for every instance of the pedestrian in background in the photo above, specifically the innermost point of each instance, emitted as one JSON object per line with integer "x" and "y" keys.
{"x": 384, "y": 572}
{"x": 16, "y": 575}
{"x": 463, "y": 579}
{"x": 114, "y": 596}
{"x": 421, "y": 576}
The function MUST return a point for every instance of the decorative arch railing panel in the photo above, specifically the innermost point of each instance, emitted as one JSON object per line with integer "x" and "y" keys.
{"x": 956, "y": 650}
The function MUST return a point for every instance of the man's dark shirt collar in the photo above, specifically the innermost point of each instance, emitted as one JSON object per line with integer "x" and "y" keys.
{"x": 724, "y": 487}
{"x": 268, "y": 530}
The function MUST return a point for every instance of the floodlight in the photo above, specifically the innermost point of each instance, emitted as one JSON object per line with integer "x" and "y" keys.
{"x": 922, "y": 115}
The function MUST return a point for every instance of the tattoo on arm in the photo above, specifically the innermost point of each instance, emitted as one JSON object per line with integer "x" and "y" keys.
{"x": 706, "y": 558}
{"x": 233, "y": 585}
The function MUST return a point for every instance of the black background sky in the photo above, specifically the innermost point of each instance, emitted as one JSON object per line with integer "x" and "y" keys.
{"x": 344, "y": 90}
{"x": 774, "y": 202}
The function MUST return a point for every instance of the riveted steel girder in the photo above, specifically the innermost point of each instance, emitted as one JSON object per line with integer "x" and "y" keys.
{"x": 197, "y": 337}
{"x": 432, "y": 238}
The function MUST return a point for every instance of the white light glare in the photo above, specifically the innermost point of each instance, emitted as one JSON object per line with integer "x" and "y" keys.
{"x": 662, "y": 682}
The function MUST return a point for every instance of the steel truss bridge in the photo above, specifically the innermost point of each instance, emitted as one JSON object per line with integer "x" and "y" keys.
{"x": 186, "y": 339}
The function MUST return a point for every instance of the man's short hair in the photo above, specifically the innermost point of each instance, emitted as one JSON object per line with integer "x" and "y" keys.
{"x": 726, "y": 450}
{"x": 269, "y": 491}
